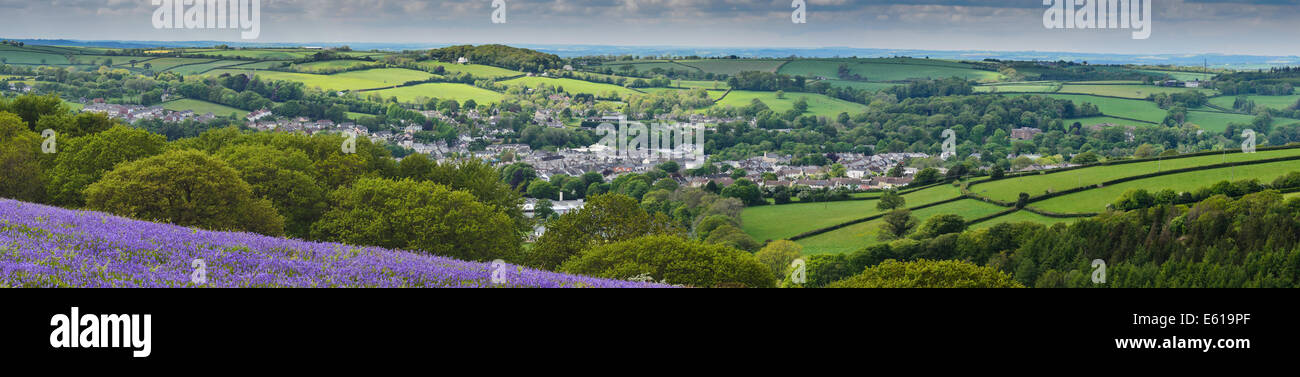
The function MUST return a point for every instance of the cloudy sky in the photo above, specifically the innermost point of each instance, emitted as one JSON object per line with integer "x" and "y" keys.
{"x": 1263, "y": 27}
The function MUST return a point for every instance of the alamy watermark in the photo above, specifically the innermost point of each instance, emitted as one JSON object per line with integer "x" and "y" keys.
{"x": 654, "y": 142}
{"x": 799, "y": 271}
{"x": 245, "y": 15}
{"x": 497, "y": 272}
{"x": 498, "y": 11}
{"x": 200, "y": 274}
{"x": 1098, "y": 271}
{"x": 49, "y": 143}
{"x": 1248, "y": 141}
{"x": 949, "y": 144}
{"x": 1100, "y": 14}
{"x": 800, "y": 13}
{"x": 349, "y": 143}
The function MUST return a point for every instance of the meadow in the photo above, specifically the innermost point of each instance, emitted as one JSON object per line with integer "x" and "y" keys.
{"x": 891, "y": 69}
{"x": 1215, "y": 121}
{"x": 195, "y": 69}
{"x": 857, "y": 236}
{"x": 1021, "y": 217}
{"x": 459, "y": 92}
{"x": 1009, "y": 189}
{"x": 330, "y": 82}
{"x": 1273, "y": 102}
{"x": 776, "y": 222}
{"x": 572, "y": 86}
{"x": 1091, "y": 121}
{"x": 202, "y": 107}
{"x": 1182, "y": 76}
{"x": 733, "y": 66}
{"x": 861, "y": 85}
{"x": 387, "y": 76}
{"x": 1127, "y": 108}
{"x": 258, "y": 54}
{"x": 483, "y": 71}
{"x": 1128, "y": 91}
{"x": 1095, "y": 200}
{"x": 818, "y": 104}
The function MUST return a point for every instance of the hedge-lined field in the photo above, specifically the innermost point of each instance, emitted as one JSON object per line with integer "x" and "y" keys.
{"x": 389, "y": 76}
{"x": 1129, "y": 91}
{"x": 483, "y": 71}
{"x": 572, "y": 86}
{"x": 202, "y": 107}
{"x": 1095, "y": 200}
{"x": 856, "y": 236}
{"x": 329, "y": 82}
{"x": 1127, "y": 108}
{"x": 1008, "y": 190}
{"x": 1273, "y": 102}
{"x": 818, "y": 104}
{"x": 733, "y": 66}
{"x": 777, "y": 222}
{"x": 441, "y": 90}
{"x": 1022, "y": 216}
{"x": 891, "y": 69}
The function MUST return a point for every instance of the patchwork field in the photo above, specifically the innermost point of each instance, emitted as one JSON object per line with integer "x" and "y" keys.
{"x": 484, "y": 71}
{"x": 459, "y": 92}
{"x": 572, "y": 86}
{"x": 331, "y": 64}
{"x": 1182, "y": 76}
{"x": 733, "y": 66}
{"x": 1273, "y": 102}
{"x": 818, "y": 104}
{"x": 777, "y": 222}
{"x": 1128, "y": 91}
{"x": 1095, "y": 200}
{"x": 649, "y": 66}
{"x": 1009, "y": 189}
{"x": 202, "y": 107}
{"x": 387, "y": 76}
{"x": 857, "y": 236}
{"x": 1045, "y": 87}
{"x": 1127, "y": 108}
{"x": 195, "y": 69}
{"x": 888, "y": 69}
{"x": 862, "y": 85}
{"x": 259, "y": 54}
{"x": 310, "y": 80}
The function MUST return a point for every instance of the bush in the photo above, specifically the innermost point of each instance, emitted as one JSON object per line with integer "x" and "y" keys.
{"x": 673, "y": 260}
{"x": 928, "y": 274}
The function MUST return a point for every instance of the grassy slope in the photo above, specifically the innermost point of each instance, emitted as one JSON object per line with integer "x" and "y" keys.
{"x": 817, "y": 104}
{"x": 459, "y": 92}
{"x": 1127, "y": 108}
{"x": 1127, "y": 91}
{"x": 1275, "y": 102}
{"x": 777, "y": 222}
{"x": 202, "y": 107}
{"x": 1009, "y": 189}
{"x": 856, "y": 236}
{"x": 1021, "y": 217}
{"x": 572, "y": 86}
{"x": 1095, "y": 200}
{"x": 887, "y": 69}
{"x": 310, "y": 80}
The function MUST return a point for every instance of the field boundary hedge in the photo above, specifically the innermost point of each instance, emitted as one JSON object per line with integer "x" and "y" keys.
{"x": 815, "y": 232}
{"x": 1132, "y": 161}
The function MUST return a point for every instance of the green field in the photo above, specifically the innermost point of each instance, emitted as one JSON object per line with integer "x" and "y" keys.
{"x": 572, "y": 86}
{"x": 314, "y": 67}
{"x": 1009, "y": 189}
{"x": 1273, "y": 102}
{"x": 857, "y": 236}
{"x": 387, "y": 76}
{"x": 259, "y": 54}
{"x": 818, "y": 104}
{"x": 310, "y": 80}
{"x": 1182, "y": 76}
{"x": 459, "y": 92}
{"x": 1292, "y": 195}
{"x": 777, "y": 222}
{"x": 484, "y": 71}
{"x": 1128, "y": 91}
{"x": 17, "y": 55}
{"x": 1090, "y": 121}
{"x": 1095, "y": 200}
{"x": 861, "y": 85}
{"x": 195, "y": 69}
{"x": 1021, "y": 217}
{"x": 202, "y": 107}
{"x": 1127, "y": 108}
{"x": 888, "y": 69}
{"x": 648, "y": 65}
{"x": 733, "y": 66}
{"x": 1018, "y": 88}
{"x": 1218, "y": 122}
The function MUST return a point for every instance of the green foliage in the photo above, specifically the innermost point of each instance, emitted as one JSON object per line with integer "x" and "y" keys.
{"x": 897, "y": 224}
{"x": 942, "y": 224}
{"x": 604, "y": 219}
{"x": 187, "y": 188}
{"x": 778, "y": 256}
{"x": 84, "y": 160}
{"x": 543, "y": 190}
{"x": 746, "y": 191}
{"x": 674, "y": 260}
{"x": 890, "y": 201}
{"x": 21, "y": 176}
{"x": 928, "y": 274}
{"x": 283, "y": 177}
{"x": 418, "y": 216}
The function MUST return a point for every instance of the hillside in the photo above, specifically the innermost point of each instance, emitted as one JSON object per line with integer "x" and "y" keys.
{"x": 42, "y": 246}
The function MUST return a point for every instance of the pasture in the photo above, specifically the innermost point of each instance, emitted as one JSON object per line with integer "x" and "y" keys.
{"x": 202, "y": 107}
{"x": 818, "y": 104}
{"x": 1127, "y": 108}
{"x": 1021, "y": 217}
{"x": 733, "y": 66}
{"x": 1272, "y": 102}
{"x": 443, "y": 91}
{"x": 387, "y": 76}
{"x": 572, "y": 86}
{"x": 1128, "y": 91}
{"x": 888, "y": 69}
{"x": 1095, "y": 200}
{"x": 776, "y": 222}
{"x": 857, "y": 236}
{"x": 483, "y": 71}
{"x": 331, "y": 82}
{"x": 1009, "y": 189}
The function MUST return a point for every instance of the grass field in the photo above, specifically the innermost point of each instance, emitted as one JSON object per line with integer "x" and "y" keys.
{"x": 330, "y": 64}
{"x": 459, "y": 92}
{"x": 817, "y": 104}
{"x": 484, "y": 71}
{"x": 1128, "y": 91}
{"x": 1127, "y": 108}
{"x": 1292, "y": 195}
{"x": 888, "y": 69}
{"x": 16, "y": 55}
{"x": 387, "y": 76}
{"x": 1009, "y": 189}
{"x": 857, "y": 236}
{"x": 777, "y": 222}
{"x": 572, "y": 86}
{"x": 733, "y": 66}
{"x": 1095, "y": 200}
{"x": 1218, "y": 122}
{"x": 1182, "y": 76}
{"x": 1104, "y": 119}
{"x": 202, "y": 107}
{"x": 195, "y": 69}
{"x": 1273, "y": 102}
{"x": 647, "y": 66}
{"x": 260, "y": 54}
{"x": 162, "y": 64}
{"x": 861, "y": 85}
{"x": 310, "y": 80}
{"x": 1018, "y": 88}
{"x": 1021, "y": 217}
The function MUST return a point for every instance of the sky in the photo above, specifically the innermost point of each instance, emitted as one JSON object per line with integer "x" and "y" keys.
{"x": 1255, "y": 27}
